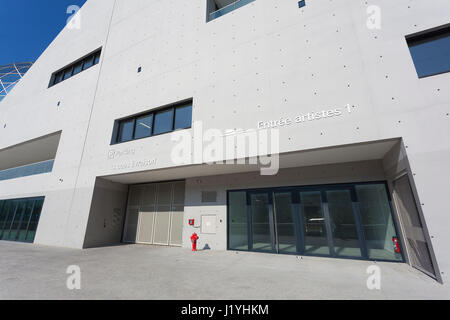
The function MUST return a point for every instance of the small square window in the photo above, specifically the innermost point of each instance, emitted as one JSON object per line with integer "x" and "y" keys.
{"x": 430, "y": 51}
{"x": 302, "y": 3}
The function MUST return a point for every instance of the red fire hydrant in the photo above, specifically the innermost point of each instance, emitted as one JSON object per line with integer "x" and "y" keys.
{"x": 194, "y": 239}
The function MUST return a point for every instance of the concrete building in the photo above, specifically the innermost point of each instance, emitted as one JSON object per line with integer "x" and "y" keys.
{"x": 131, "y": 125}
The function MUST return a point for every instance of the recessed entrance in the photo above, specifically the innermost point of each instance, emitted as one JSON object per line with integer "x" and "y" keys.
{"x": 345, "y": 221}
{"x": 155, "y": 214}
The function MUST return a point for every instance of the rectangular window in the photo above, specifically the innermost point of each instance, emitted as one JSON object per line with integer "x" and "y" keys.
{"x": 126, "y": 130}
{"x": 97, "y": 58}
{"x": 144, "y": 126}
{"x": 67, "y": 73}
{"x": 27, "y": 170}
{"x": 218, "y": 8}
{"x": 183, "y": 117}
{"x": 78, "y": 68}
{"x": 168, "y": 119}
{"x": 19, "y": 218}
{"x": 430, "y": 51}
{"x": 163, "y": 121}
{"x": 89, "y": 62}
{"x": 75, "y": 67}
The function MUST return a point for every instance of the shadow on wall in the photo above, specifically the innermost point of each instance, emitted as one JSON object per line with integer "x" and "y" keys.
{"x": 107, "y": 214}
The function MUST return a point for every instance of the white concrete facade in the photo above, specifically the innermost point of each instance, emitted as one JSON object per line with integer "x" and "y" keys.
{"x": 265, "y": 61}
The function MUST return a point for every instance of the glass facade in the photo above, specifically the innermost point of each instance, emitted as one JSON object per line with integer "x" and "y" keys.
{"x": 346, "y": 221}
{"x": 19, "y": 218}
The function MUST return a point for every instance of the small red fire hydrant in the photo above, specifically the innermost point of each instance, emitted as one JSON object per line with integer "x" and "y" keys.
{"x": 194, "y": 239}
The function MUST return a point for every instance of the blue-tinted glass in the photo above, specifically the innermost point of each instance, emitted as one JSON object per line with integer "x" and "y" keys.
{"x": 58, "y": 77}
{"x": 67, "y": 73}
{"x": 183, "y": 117}
{"x": 88, "y": 62}
{"x": 126, "y": 130}
{"x": 78, "y": 68}
{"x": 432, "y": 57}
{"x": 19, "y": 218}
{"x": 301, "y": 3}
{"x": 27, "y": 170}
{"x": 228, "y": 8}
{"x": 97, "y": 58}
{"x": 163, "y": 121}
{"x": 144, "y": 126}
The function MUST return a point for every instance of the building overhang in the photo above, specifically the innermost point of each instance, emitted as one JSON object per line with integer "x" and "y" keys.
{"x": 367, "y": 151}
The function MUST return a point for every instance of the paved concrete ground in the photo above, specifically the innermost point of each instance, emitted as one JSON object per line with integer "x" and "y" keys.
{"x": 149, "y": 272}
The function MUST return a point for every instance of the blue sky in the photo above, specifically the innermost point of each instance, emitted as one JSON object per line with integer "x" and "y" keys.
{"x": 27, "y": 27}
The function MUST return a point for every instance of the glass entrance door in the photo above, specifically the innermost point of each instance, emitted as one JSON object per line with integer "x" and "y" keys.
{"x": 262, "y": 222}
{"x": 343, "y": 223}
{"x": 316, "y": 239}
{"x": 286, "y": 221}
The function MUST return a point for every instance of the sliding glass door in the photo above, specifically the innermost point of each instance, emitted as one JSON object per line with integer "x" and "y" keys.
{"x": 262, "y": 222}
{"x": 316, "y": 240}
{"x": 342, "y": 220}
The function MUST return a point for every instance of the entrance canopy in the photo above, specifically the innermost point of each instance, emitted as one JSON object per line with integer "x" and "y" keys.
{"x": 375, "y": 150}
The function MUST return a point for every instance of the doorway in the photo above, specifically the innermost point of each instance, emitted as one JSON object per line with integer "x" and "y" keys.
{"x": 345, "y": 221}
{"x": 155, "y": 214}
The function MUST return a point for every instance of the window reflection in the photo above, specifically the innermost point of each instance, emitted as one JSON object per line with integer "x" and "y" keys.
{"x": 163, "y": 121}
{"x": 19, "y": 219}
{"x": 144, "y": 126}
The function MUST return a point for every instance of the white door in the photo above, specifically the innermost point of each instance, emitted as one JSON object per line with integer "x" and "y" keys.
{"x": 155, "y": 214}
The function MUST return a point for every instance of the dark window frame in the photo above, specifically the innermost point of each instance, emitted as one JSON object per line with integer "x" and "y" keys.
{"x": 94, "y": 56}
{"x": 117, "y": 124}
